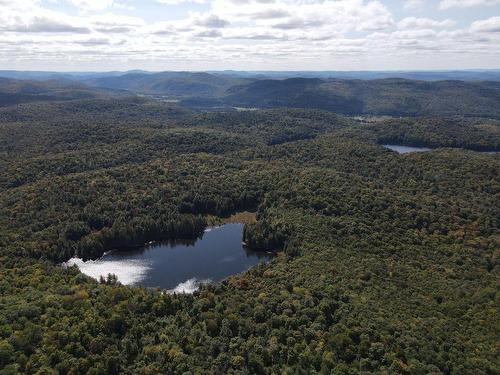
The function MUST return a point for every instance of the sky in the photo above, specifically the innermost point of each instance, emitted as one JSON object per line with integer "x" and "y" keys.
{"x": 158, "y": 35}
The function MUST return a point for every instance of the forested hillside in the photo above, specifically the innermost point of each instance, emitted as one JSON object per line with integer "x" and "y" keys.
{"x": 395, "y": 97}
{"x": 389, "y": 96}
{"x": 14, "y": 91}
{"x": 386, "y": 263}
{"x": 175, "y": 84}
{"x": 204, "y": 91}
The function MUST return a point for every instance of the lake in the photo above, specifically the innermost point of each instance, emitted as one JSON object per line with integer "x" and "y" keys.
{"x": 406, "y": 149}
{"x": 180, "y": 266}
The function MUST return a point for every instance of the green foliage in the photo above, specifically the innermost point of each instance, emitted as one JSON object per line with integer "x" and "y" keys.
{"x": 13, "y": 91}
{"x": 386, "y": 264}
{"x": 473, "y": 134}
{"x": 393, "y": 97}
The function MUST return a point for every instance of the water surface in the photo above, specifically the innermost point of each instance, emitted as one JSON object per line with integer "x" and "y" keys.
{"x": 406, "y": 149}
{"x": 180, "y": 266}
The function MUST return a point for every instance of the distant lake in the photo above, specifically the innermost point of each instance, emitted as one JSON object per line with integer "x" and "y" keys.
{"x": 180, "y": 266}
{"x": 406, "y": 149}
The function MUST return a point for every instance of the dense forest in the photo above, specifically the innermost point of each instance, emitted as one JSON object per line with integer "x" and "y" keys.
{"x": 395, "y": 97}
{"x": 14, "y": 91}
{"x": 386, "y": 263}
{"x": 216, "y": 91}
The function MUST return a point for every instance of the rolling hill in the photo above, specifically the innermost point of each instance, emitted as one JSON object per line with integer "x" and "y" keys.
{"x": 13, "y": 91}
{"x": 395, "y": 97}
{"x": 391, "y": 96}
{"x": 175, "y": 84}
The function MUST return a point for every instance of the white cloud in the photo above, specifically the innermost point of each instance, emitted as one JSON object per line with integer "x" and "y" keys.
{"x": 424, "y": 23}
{"x": 44, "y": 25}
{"x": 447, "y": 4}
{"x": 208, "y": 34}
{"x": 177, "y": 2}
{"x": 27, "y": 17}
{"x": 94, "y": 41}
{"x": 339, "y": 15}
{"x": 120, "y": 5}
{"x": 271, "y": 13}
{"x": 92, "y": 5}
{"x": 269, "y": 34}
{"x": 414, "y": 4}
{"x": 112, "y": 23}
{"x": 210, "y": 21}
{"x": 491, "y": 25}
{"x": 24, "y": 4}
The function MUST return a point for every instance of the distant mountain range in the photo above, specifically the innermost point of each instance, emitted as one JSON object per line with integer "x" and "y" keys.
{"x": 386, "y": 96}
{"x": 462, "y": 75}
{"x": 174, "y": 84}
{"x": 423, "y": 75}
{"x": 395, "y": 97}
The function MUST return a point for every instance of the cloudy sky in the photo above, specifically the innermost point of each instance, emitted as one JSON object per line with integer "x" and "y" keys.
{"x": 71, "y": 35}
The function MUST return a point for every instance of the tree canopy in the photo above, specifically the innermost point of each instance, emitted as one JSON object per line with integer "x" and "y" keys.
{"x": 386, "y": 263}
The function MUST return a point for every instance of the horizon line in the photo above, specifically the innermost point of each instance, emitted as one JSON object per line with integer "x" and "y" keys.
{"x": 261, "y": 71}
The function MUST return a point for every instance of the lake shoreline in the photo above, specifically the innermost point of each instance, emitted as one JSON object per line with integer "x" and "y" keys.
{"x": 178, "y": 265}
